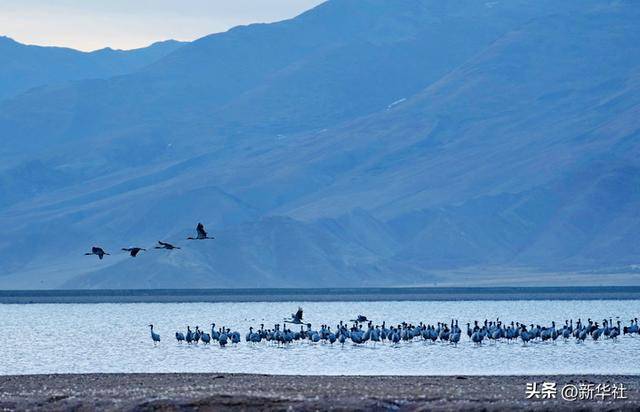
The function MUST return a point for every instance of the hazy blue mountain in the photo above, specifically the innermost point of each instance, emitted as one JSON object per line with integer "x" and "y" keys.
{"x": 268, "y": 80}
{"x": 23, "y": 67}
{"x": 362, "y": 143}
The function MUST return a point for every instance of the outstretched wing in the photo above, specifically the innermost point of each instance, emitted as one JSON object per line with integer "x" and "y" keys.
{"x": 202, "y": 234}
{"x": 299, "y": 313}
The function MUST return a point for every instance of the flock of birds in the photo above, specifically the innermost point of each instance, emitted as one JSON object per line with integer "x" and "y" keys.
{"x": 201, "y": 234}
{"x": 361, "y": 330}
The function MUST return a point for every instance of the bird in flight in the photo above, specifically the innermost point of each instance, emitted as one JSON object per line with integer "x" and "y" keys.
{"x": 133, "y": 251}
{"x": 202, "y": 233}
{"x": 98, "y": 251}
{"x": 295, "y": 317}
{"x": 165, "y": 245}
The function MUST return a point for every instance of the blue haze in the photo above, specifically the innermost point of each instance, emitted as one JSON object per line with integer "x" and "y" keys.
{"x": 363, "y": 142}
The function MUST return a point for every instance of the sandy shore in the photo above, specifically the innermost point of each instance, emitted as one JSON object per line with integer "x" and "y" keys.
{"x": 259, "y": 392}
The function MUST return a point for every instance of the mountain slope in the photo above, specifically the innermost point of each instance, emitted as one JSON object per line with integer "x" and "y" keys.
{"x": 269, "y": 79}
{"x": 247, "y": 85}
{"x": 23, "y": 67}
{"x": 408, "y": 144}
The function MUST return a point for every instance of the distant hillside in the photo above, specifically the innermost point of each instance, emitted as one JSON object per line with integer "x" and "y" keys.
{"x": 364, "y": 142}
{"x": 23, "y": 67}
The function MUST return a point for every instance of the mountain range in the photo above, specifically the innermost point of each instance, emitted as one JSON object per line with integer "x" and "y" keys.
{"x": 23, "y": 67}
{"x": 364, "y": 142}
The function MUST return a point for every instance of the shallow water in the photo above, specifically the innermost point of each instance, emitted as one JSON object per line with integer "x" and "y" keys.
{"x": 90, "y": 338}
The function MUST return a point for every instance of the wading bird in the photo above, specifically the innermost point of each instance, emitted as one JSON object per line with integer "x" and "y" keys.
{"x": 222, "y": 339}
{"x": 455, "y": 337}
{"x": 205, "y": 338}
{"x": 98, "y": 251}
{"x": 154, "y": 336}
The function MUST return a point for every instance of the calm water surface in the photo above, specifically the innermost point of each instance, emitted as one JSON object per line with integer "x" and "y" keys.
{"x": 86, "y": 338}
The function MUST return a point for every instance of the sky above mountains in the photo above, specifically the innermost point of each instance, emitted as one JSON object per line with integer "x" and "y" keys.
{"x": 124, "y": 24}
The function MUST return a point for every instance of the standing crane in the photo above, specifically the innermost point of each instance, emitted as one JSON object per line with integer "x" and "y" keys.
{"x": 154, "y": 336}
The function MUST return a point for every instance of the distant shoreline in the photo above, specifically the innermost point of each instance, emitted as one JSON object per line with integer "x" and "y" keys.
{"x": 319, "y": 295}
{"x": 273, "y": 392}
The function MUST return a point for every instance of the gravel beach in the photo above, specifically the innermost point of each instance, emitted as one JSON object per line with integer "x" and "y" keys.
{"x": 264, "y": 392}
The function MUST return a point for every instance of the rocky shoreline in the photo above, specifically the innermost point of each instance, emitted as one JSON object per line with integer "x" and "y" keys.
{"x": 272, "y": 392}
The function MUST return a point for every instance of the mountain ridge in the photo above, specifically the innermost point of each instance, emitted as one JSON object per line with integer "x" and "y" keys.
{"x": 483, "y": 154}
{"x": 24, "y": 66}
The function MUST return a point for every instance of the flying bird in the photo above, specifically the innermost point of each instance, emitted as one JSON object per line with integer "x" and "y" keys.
{"x": 165, "y": 245}
{"x": 98, "y": 251}
{"x": 296, "y": 318}
{"x": 202, "y": 233}
{"x": 133, "y": 251}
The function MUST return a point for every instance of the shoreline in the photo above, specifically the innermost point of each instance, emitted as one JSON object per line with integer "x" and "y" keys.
{"x": 281, "y": 392}
{"x": 320, "y": 295}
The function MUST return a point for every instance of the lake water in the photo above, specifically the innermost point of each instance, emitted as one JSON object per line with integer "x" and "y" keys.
{"x": 114, "y": 337}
